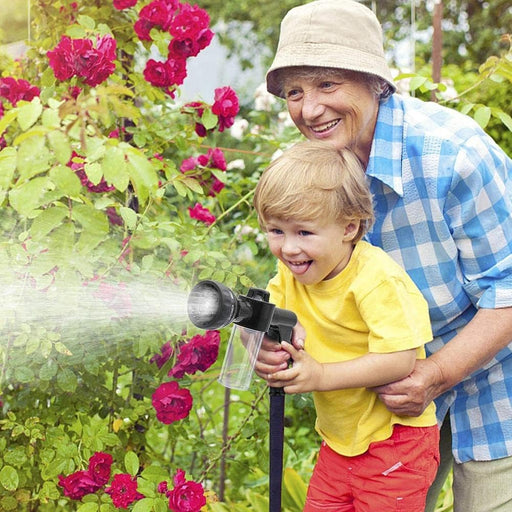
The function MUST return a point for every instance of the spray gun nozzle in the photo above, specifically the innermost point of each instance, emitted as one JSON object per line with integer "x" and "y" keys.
{"x": 211, "y": 305}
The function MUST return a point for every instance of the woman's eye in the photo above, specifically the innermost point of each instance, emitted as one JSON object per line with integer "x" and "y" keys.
{"x": 327, "y": 85}
{"x": 293, "y": 94}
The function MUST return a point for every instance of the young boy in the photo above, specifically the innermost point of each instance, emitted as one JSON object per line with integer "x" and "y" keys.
{"x": 366, "y": 323}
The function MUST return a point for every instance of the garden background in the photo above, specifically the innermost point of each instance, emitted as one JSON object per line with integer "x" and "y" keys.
{"x": 117, "y": 195}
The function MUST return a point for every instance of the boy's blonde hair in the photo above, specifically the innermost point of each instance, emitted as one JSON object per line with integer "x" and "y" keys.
{"x": 313, "y": 181}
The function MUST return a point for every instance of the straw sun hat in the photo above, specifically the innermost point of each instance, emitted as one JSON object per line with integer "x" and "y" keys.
{"x": 342, "y": 34}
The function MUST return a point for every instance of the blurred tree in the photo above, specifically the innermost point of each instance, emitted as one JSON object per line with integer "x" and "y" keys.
{"x": 13, "y": 21}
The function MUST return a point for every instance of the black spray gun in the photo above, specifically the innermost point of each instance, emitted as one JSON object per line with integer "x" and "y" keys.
{"x": 212, "y": 305}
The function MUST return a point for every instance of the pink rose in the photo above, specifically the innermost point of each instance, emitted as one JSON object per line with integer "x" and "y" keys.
{"x": 171, "y": 402}
{"x": 202, "y": 214}
{"x": 187, "y": 495}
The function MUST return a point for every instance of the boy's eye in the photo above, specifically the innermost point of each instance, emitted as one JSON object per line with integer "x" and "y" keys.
{"x": 305, "y": 233}
{"x": 275, "y": 231}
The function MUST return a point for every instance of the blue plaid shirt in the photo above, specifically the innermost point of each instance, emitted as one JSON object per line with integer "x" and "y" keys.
{"x": 443, "y": 208}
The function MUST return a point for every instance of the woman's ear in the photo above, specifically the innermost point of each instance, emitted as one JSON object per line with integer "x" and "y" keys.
{"x": 351, "y": 230}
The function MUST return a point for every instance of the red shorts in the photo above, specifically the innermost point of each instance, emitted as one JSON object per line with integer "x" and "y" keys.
{"x": 392, "y": 475}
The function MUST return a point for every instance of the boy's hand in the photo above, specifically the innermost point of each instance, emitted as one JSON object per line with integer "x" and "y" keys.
{"x": 304, "y": 376}
{"x": 272, "y": 358}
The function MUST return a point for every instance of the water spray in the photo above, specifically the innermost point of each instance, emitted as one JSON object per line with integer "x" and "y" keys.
{"x": 212, "y": 305}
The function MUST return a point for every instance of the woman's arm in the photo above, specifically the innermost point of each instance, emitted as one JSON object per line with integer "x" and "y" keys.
{"x": 484, "y": 336}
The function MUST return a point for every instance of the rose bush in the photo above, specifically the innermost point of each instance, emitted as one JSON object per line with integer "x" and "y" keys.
{"x": 117, "y": 196}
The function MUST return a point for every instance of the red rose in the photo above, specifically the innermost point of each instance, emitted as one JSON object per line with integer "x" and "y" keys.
{"x": 165, "y": 74}
{"x": 123, "y": 490}
{"x": 202, "y": 214}
{"x": 78, "y": 57}
{"x": 158, "y": 13}
{"x": 99, "y": 64}
{"x": 99, "y": 467}
{"x": 166, "y": 351}
{"x": 78, "y": 484}
{"x": 15, "y": 90}
{"x": 187, "y": 495}
{"x": 171, "y": 402}
{"x": 124, "y": 4}
{"x": 225, "y": 106}
{"x": 189, "y": 22}
{"x": 198, "y": 354}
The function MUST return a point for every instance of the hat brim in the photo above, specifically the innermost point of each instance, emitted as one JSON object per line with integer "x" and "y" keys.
{"x": 325, "y": 55}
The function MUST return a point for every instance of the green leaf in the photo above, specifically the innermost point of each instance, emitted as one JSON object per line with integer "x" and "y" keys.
{"x": 9, "y": 478}
{"x": 7, "y": 166}
{"x": 7, "y": 119}
{"x": 129, "y": 216}
{"x": 143, "y": 175}
{"x": 294, "y": 489}
{"x": 29, "y": 113}
{"x": 482, "y": 115}
{"x": 86, "y": 21}
{"x": 505, "y": 119}
{"x": 94, "y": 172}
{"x": 26, "y": 198}
{"x": 417, "y": 82}
{"x": 143, "y": 505}
{"x": 66, "y": 180}
{"x": 131, "y": 463}
{"x": 90, "y": 218}
{"x": 46, "y": 221}
{"x": 114, "y": 168}
{"x": 88, "y": 507}
{"x": 209, "y": 120}
{"x": 8, "y": 503}
{"x": 67, "y": 380}
{"x": 33, "y": 157}
{"x": 23, "y": 374}
{"x": 60, "y": 145}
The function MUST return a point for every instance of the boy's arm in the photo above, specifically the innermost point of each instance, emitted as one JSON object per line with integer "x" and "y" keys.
{"x": 366, "y": 371}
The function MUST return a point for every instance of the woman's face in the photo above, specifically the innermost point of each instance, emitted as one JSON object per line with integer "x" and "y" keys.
{"x": 338, "y": 109}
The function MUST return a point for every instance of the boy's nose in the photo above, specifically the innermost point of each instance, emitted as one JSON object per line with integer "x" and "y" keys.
{"x": 290, "y": 246}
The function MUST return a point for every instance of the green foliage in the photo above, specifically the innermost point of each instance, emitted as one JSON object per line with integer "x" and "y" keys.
{"x": 70, "y": 390}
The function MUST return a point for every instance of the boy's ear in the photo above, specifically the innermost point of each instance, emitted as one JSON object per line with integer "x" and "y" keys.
{"x": 351, "y": 230}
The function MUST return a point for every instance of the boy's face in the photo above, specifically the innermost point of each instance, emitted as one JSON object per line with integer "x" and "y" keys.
{"x": 313, "y": 250}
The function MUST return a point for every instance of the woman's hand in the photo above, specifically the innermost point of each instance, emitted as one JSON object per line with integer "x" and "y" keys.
{"x": 411, "y": 395}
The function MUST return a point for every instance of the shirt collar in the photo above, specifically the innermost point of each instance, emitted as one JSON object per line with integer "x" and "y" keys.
{"x": 385, "y": 163}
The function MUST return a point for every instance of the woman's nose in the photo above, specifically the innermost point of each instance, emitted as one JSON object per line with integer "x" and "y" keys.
{"x": 311, "y": 106}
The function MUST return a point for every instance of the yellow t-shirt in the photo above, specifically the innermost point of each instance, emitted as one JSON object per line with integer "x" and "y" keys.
{"x": 370, "y": 306}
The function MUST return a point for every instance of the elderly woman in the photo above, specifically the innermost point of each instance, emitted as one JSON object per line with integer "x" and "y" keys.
{"x": 443, "y": 209}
